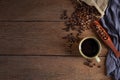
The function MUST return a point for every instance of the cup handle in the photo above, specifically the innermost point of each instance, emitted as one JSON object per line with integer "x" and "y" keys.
{"x": 97, "y": 59}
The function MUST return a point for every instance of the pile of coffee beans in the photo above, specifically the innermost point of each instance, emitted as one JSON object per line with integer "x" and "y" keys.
{"x": 79, "y": 21}
{"x": 91, "y": 64}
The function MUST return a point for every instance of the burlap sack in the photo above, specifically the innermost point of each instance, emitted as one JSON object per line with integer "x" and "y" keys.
{"x": 99, "y": 4}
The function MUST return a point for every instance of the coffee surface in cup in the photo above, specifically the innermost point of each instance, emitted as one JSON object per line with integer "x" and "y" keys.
{"x": 90, "y": 47}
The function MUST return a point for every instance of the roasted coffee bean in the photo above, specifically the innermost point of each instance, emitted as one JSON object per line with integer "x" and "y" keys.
{"x": 71, "y": 33}
{"x": 64, "y": 15}
{"x": 65, "y": 37}
{"x": 77, "y": 38}
{"x": 86, "y": 63}
{"x": 77, "y": 35}
{"x": 90, "y": 65}
{"x": 94, "y": 64}
{"x": 99, "y": 66}
{"x": 66, "y": 29}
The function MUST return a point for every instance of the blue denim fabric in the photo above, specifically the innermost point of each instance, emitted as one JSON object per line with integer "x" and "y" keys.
{"x": 111, "y": 21}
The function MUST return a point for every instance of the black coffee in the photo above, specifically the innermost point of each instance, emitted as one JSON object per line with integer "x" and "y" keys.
{"x": 90, "y": 47}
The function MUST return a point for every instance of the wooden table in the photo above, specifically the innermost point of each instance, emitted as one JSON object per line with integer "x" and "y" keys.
{"x": 31, "y": 44}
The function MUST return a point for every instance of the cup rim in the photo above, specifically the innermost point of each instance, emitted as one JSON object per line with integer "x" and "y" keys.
{"x": 80, "y": 43}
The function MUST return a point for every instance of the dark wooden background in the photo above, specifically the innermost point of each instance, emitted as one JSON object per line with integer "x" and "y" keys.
{"x": 31, "y": 44}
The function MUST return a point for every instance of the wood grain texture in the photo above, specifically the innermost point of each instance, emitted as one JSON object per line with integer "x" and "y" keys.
{"x": 33, "y": 29}
{"x": 30, "y": 10}
{"x": 49, "y": 68}
{"x": 37, "y": 38}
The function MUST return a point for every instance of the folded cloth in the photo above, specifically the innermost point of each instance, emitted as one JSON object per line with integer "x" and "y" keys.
{"x": 111, "y": 21}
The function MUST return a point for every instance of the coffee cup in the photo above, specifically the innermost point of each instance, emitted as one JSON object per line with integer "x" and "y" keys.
{"x": 90, "y": 47}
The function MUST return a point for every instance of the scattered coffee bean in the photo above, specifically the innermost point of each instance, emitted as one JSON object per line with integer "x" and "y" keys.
{"x": 66, "y": 29}
{"x": 64, "y": 15}
{"x": 86, "y": 63}
{"x": 94, "y": 64}
{"x": 65, "y": 37}
{"x": 90, "y": 65}
{"x": 99, "y": 66}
